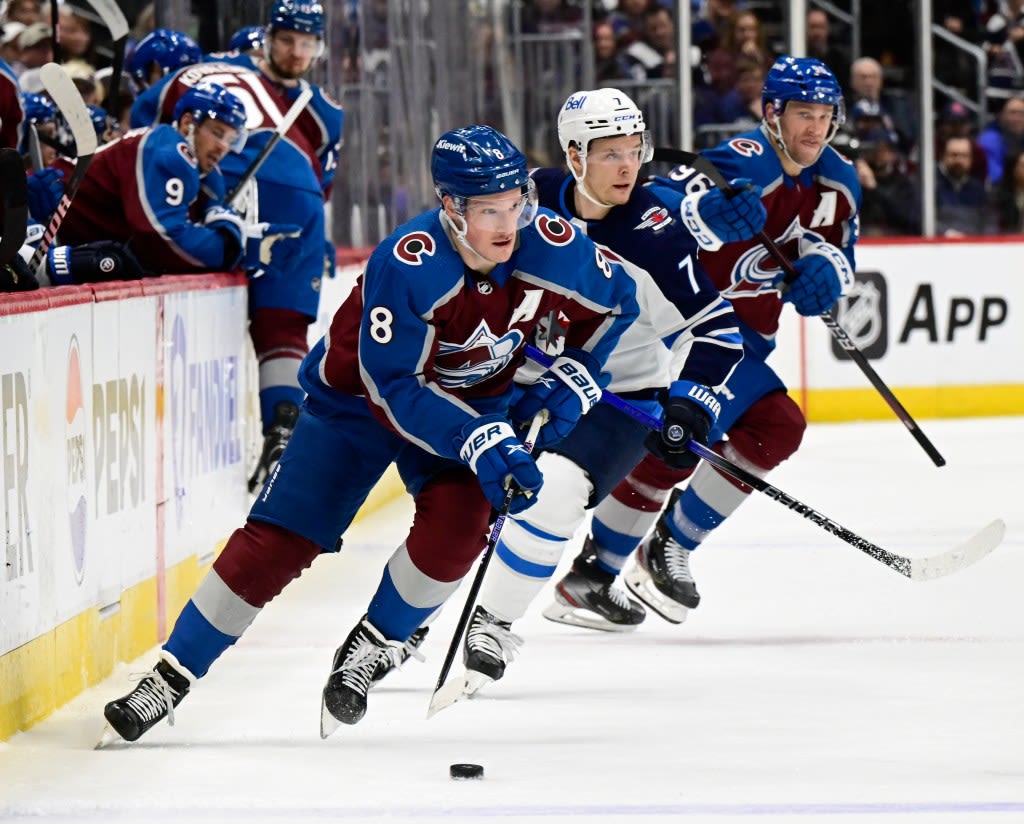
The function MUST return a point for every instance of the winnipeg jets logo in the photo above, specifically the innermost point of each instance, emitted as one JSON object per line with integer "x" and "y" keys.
{"x": 657, "y": 217}
{"x": 481, "y": 356}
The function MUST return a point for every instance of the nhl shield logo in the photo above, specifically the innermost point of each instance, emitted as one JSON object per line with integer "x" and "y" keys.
{"x": 863, "y": 314}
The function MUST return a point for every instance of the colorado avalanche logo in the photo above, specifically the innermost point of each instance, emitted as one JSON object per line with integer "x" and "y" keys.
{"x": 482, "y": 355}
{"x": 656, "y": 217}
{"x": 554, "y": 230}
{"x": 414, "y": 247}
{"x": 746, "y": 147}
{"x": 755, "y": 269}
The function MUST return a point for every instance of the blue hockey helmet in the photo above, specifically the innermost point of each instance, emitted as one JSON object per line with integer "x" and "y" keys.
{"x": 247, "y": 38}
{"x": 168, "y": 48}
{"x": 212, "y": 101}
{"x": 38, "y": 108}
{"x": 805, "y": 79}
{"x": 297, "y": 15}
{"x": 477, "y": 160}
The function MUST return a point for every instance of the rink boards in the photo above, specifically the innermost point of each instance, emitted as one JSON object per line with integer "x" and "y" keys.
{"x": 130, "y": 421}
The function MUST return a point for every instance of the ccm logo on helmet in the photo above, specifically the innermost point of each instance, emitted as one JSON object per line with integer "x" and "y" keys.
{"x": 413, "y": 247}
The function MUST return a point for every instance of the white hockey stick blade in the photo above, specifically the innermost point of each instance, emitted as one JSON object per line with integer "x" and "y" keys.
{"x": 65, "y": 96}
{"x": 953, "y": 560}
{"x": 112, "y": 16}
{"x": 448, "y": 694}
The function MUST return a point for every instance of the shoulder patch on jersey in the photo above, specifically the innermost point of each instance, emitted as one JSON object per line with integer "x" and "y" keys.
{"x": 413, "y": 247}
{"x": 186, "y": 153}
{"x": 656, "y": 218}
{"x": 746, "y": 147}
{"x": 554, "y": 230}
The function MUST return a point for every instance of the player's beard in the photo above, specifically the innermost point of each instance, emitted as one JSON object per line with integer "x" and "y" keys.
{"x": 283, "y": 72}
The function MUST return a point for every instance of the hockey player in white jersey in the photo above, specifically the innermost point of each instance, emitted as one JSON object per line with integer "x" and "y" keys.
{"x": 685, "y": 343}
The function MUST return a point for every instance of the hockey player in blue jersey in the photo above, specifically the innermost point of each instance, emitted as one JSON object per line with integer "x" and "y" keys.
{"x": 161, "y": 52}
{"x": 812, "y": 196}
{"x": 417, "y": 370}
{"x": 685, "y": 343}
{"x": 291, "y": 186}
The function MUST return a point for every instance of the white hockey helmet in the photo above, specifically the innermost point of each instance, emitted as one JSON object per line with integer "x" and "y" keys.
{"x": 588, "y": 115}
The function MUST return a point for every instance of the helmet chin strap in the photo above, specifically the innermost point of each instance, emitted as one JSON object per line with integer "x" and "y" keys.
{"x": 582, "y": 189}
{"x": 776, "y": 134}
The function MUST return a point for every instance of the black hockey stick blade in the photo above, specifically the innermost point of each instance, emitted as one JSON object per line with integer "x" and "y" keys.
{"x": 447, "y": 694}
{"x": 15, "y": 201}
{"x": 916, "y": 569}
{"x": 701, "y": 164}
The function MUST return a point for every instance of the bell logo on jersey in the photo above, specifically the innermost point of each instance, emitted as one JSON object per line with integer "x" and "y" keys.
{"x": 656, "y": 217}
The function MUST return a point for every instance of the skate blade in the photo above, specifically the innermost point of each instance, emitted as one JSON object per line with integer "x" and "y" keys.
{"x": 328, "y": 723}
{"x": 475, "y": 681}
{"x": 579, "y": 617}
{"x": 642, "y": 586}
{"x": 108, "y": 737}
{"x": 446, "y": 695}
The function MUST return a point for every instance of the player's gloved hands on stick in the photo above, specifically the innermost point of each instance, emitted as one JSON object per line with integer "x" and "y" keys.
{"x": 45, "y": 189}
{"x": 568, "y": 389}
{"x": 490, "y": 447}
{"x": 691, "y": 409}
{"x": 824, "y": 274}
{"x": 715, "y": 218}
{"x": 267, "y": 244}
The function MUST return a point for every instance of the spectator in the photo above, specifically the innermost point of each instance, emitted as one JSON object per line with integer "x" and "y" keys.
{"x": 961, "y": 203}
{"x": 889, "y": 196}
{"x": 717, "y": 101}
{"x": 1004, "y": 43}
{"x": 866, "y": 83}
{"x": 750, "y": 75}
{"x": 709, "y": 28}
{"x": 1008, "y": 196}
{"x": 609, "y": 63}
{"x": 10, "y": 49}
{"x": 954, "y": 66}
{"x": 550, "y": 17}
{"x": 76, "y": 41}
{"x": 821, "y": 45}
{"x": 25, "y": 12}
{"x": 1002, "y": 137}
{"x": 627, "y": 21}
{"x": 655, "y": 55}
{"x": 36, "y": 50}
{"x": 956, "y": 120}
{"x": 744, "y": 37}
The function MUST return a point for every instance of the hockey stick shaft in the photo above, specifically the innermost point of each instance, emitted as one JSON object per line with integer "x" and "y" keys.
{"x": 117, "y": 24}
{"x": 915, "y": 569}
{"x": 68, "y": 100}
{"x": 282, "y": 129}
{"x": 492, "y": 541}
{"x": 701, "y": 164}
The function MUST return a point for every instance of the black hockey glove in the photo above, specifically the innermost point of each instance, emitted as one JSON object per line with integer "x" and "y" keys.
{"x": 15, "y": 276}
{"x": 100, "y": 260}
{"x": 690, "y": 411}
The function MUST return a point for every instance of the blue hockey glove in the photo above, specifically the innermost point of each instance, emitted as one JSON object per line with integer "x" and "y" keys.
{"x": 230, "y": 224}
{"x": 714, "y": 219}
{"x": 568, "y": 389}
{"x": 271, "y": 244}
{"x": 691, "y": 409}
{"x": 45, "y": 189}
{"x": 824, "y": 276}
{"x": 491, "y": 449}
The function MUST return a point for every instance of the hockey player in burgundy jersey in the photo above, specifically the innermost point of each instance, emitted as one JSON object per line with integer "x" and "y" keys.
{"x": 291, "y": 187}
{"x": 812, "y": 196}
{"x": 685, "y": 342}
{"x": 149, "y": 203}
{"x": 417, "y": 370}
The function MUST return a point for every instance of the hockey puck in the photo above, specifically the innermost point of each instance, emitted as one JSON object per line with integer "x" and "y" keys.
{"x": 463, "y": 772}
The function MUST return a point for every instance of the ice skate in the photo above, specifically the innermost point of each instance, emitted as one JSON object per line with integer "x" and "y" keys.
{"x": 153, "y": 699}
{"x": 587, "y": 597}
{"x": 274, "y": 442}
{"x": 355, "y": 661}
{"x": 489, "y": 647}
{"x": 660, "y": 575}
{"x": 411, "y": 649}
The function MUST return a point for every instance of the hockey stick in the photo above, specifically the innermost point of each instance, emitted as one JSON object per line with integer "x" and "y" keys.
{"x": 15, "y": 204}
{"x": 113, "y": 18}
{"x": 701, "y": 164}
{"x": 282, "y": 128}
{"x": 447, "y": 694}
{"x": 64, "y": 94}
{"x": 916, "y": 569}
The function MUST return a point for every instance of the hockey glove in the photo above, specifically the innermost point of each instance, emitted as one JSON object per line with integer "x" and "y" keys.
{"x": 91, "y": 263}
{"x": 230, "y": 224}
{"x": 568, "y": 389}
{"x": 271, "y": 244}
{"x": 691, "y": 409}
{"x": 15, "y": 276}
{"x": 491, "y": 449}
{"x": 824, "y": 275}
{"x": 45, "y": 189}
{"x": 714, "y": 219}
